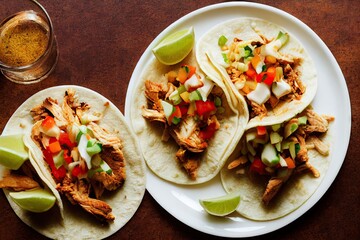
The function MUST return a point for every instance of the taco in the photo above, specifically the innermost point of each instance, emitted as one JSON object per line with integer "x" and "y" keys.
{"x": 261, "y": 61}
{"x": 277, "y": 168}
{"x": 24, "y": 176}
{"x": 186, "y": 123}
{"x": 83, "y": 147}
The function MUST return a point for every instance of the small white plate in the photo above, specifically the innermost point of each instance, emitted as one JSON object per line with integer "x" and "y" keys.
{"x": 332, "y": 98}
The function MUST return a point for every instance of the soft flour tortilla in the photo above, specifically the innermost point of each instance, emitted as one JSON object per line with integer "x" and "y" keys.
{"x": 294, "y": 193}
{"x": 208, "y": 54}
{"x": 124, "y": 202}
{"x": 159, "y": 155}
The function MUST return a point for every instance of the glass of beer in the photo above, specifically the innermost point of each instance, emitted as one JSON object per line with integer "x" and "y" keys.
{"x": 28, "y": 47}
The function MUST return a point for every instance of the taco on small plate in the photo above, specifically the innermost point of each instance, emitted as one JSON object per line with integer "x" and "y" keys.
{"x": 83, "y": 147}
{"x": 276, "y": 168}
{"x": 187, "y": 122}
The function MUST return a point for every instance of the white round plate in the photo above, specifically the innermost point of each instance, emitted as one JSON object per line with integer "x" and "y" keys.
{"x": 332, "y": 98}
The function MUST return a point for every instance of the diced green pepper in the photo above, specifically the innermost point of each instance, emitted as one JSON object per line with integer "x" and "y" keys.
{"x": 217, "y": 101}
{"x": 222, "y": 41}
{"x": 59, "y": 159}
{"x": 302, "y": 120}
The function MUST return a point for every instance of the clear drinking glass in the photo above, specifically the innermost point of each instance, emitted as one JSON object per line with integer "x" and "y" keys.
{"x": 28, "y": 47}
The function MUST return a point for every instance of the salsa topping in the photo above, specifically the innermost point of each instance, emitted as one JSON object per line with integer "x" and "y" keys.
{"x": 261, "y": 73}
{"x": 84, "y": 158}
{"x": 189, "y": 106}
{"x": 279, "y": 151}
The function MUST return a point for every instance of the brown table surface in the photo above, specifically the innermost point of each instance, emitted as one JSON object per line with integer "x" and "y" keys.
{"x": 100, "y": 43}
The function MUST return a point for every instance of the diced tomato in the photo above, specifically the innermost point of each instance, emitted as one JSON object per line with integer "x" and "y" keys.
{"x": 251, "y": 73}
{"x": 261, "y": 130}
{"x": 258, "y": 166}
{"x": 67, "y": 157}
{"x": 204, "y": 107}
{"x": 208, "y": 132}
{"x": 59, "y": 173}
{"x": 48, "y": 122}
{"x": 183, "y": 109}
{"x": 52, "y": 140}
{"x": 65, "y": 140}
{"x": 267, "y": 77}
{"x": 270, "y": 75}
{"x": 48, "y": 158}
{"x": 176, "y": 113}
{"x": 54, "y": 147}
{"x": 260, "y": 77}
{"x": 78, "y": 171}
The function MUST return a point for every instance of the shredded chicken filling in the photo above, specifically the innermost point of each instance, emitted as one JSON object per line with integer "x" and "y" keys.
{"x": 186, "y": 133}
{"x": 307, "y": 136}
{"x": 83, "y": 190}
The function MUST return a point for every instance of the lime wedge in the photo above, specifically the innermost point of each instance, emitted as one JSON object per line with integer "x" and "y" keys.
{"x": 221, "y": 206}
{"x": 13, "y": 152}
{"x": 175, "y": 47}
{"x": 35, "y": 200}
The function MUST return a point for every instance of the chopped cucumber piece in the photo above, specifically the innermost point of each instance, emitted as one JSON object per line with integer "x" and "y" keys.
{"x": 82, "y": 150}
{"x": 278, "y": 147}
{"x": 102, "y": 167}
{"x": 283, "y": 38}
{"x": 181, "y": 89}
{"x": 175, "y": 97}
{"x": 94, "y": 149}
{"x": 195, "y": 95}
{"x": 250, "y": 136}
{"x": 82, "y": 130}
{"x": 275, "y": 137}
{"x": 168, "y": 108}
{"x": 222, "y": 41}
{"x": 225, "y": 57}
{"x": 105, "y": 167}
{"x": 302, "y": 120}
{"x": 91, "y": 142}
{"x": 290, "y": 128}
{"x": 269, "y": 156}
{"x": 276, "y": 127}
{"x": 59, "y": 159}
{"x": 285, "y": 145}
{"x": 294, "y": 148}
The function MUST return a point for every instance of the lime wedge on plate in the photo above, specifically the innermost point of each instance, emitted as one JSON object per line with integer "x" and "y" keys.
{"x": 13, "y": 152}
{"x": 34, "y": 200}
{"x": 221, "y": 206}
{"x": 175, "y": 47}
